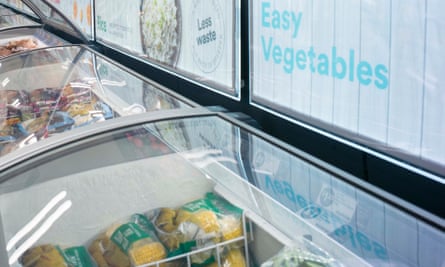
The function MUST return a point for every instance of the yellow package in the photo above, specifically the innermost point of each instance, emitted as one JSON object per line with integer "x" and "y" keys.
{"x": 54, "y": 256}
{"x": 128, "y": 244}
{"x": 198, "y": 224}
{"x": 43, "y": 255}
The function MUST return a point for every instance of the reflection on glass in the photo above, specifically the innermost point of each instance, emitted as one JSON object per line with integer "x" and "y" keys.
{"x": 140, "y": 168}
{"x": 39, "y": 232}
{"x": 36, "y": 220}
{"x": 137, "y": 95}
{"x": 8, "y": 21}
{"x": 19, "y": 5}
{"x": 54, "y": 90}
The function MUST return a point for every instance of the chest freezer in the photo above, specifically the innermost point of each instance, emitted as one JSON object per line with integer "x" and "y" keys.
{"x": 51, "y": 90}
{"x": 197, "y": 188}
{"x": 18, "y": 33}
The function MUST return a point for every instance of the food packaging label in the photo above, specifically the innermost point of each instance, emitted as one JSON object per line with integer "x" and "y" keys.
{"x": 127, "y": 234}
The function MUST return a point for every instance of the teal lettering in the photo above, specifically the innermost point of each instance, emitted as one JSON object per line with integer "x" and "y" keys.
{"x": 380, "y": 251}
{"x": 265, "y": 14}
{"x": 381, "y": 73}
{"x": 275, "y": 19}
{"x": 311, "y": 55}
{"x": 286, "y": 22}
{"x": 364, "y": 72}
{"x": 302, "y": 201}
{"x": 351, "y": 65}
{"x": 323, "y": 64}
{"x": 288, "y": 60}
{"x": 363, "y": 241}
{"x": 301, "y": 59}
{"x": 297, "y": 23}
{"x": 340, "y": 232}
{"x": 351, "y": 236}
{"x": 338, "y": 62}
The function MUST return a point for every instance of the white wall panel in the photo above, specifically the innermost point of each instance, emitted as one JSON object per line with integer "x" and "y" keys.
{"x": 323, "y": 25}
{"x": 433, "y": 141}
{"x": 407, "y": 68}
{"x": 375, "y": 44}
{"x": 347, "y": 40}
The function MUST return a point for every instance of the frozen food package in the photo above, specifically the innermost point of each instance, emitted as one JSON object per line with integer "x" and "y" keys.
{"x": 229, "y": 217}
{"x": 77, "y": 257}
{"x": 198, "y": 224}
{"x": 54, "y": 256}
{"x": 129, "y": 243}
{"x": 18, "y": 45}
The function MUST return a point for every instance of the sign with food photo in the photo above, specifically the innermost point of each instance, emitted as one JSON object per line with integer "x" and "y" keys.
{"x": 195, "y": 39}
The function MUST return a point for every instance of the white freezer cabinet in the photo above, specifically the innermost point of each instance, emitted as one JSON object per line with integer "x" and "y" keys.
{"x": 185, "y": 188}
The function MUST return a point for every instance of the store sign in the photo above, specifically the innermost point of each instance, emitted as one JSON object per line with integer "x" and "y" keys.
{"x": 77, "y": 11}
{"x": 372, "y": 67}
{"x": 368, "y": 227}
{"x": 196, "y": 39}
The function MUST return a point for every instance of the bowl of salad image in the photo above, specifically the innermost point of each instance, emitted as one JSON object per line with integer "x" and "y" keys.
{"x": 161, "y": 30}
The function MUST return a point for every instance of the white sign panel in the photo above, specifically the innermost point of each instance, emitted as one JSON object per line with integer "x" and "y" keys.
{"x": 372, "y": 67}
{"x": 77, "y": 11}
{"x": 197, "y": 39}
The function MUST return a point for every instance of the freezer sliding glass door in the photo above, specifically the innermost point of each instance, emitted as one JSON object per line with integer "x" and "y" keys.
{"x": 196, "y": 188}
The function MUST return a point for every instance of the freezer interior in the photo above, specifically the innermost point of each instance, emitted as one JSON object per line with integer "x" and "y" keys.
{"x": 21, "y": 33}
{"x": 18, "y": 40}
{"x": 18, "y": 36}
{"x": 52, "y": 90}
{"x": 187, "y": 192}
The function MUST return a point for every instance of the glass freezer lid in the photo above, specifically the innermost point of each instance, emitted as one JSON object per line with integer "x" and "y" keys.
{"x": 11, "y": 19}
{"x": 52, "y": 16}
{"x": 15, "y": 20}
{"x": 21, "y": 39}
{"x": 47, "y": 91}
{"x": 47, "y": 14}
{"x": 18, "y": 5}
{"x": 128, "y": 165}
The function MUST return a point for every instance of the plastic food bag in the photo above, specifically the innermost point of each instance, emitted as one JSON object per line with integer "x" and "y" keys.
{"x": 198, "y": 224}
{"x": 54, "y": 256}
{"x": 229, "y": 217}
{"x": 131, "y": 243}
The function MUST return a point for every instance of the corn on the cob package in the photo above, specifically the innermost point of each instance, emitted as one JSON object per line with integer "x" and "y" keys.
{"x": 198, "y": 224}
{"x": 131, "y": 243}
{"x": 54, "y": 256}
